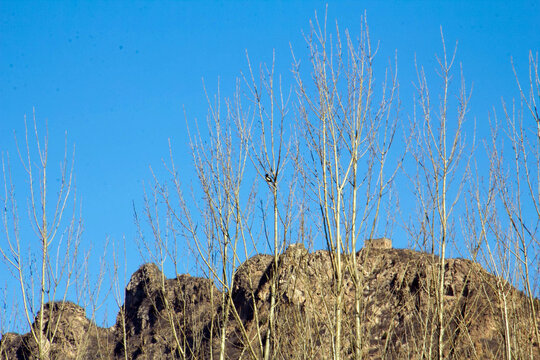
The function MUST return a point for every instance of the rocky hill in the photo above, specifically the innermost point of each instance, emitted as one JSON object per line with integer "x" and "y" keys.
{"x": 485, "y": 318}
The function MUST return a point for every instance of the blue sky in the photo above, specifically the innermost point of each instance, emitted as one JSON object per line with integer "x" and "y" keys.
{"x": 118, "y": 76}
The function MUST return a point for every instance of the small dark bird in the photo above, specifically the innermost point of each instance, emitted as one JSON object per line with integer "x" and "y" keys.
{"x": 268, "y": 178}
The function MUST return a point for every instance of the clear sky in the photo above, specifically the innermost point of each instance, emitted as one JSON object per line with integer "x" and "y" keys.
{"x": 118, "y": 75}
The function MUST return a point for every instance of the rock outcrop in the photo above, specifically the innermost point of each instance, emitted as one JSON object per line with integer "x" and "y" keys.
{"x": 186, "y": 317}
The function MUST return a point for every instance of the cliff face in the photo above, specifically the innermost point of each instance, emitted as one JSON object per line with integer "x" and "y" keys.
{"x": 184, "y": 317}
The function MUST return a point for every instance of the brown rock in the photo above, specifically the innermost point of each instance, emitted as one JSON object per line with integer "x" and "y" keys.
{"x": 397, "y": 310}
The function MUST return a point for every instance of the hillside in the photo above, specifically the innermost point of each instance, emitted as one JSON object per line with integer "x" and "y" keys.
{"x": 397, "y": 313}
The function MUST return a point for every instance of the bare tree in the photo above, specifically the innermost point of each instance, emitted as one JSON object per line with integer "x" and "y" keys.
{"x": 519, "y": 187}
{"x": 439, "y": 158}
{"x": 56, "y": 227}
{"x": 269, "y": 151}
{"x": 348, "y": 132}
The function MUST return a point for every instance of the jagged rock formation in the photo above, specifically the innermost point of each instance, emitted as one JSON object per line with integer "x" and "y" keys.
{"x": 67, "y": 334}
{"x": 184, "y": 317}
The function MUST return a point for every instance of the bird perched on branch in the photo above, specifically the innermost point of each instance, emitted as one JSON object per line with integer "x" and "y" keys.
{"x": 268, "y": 178}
